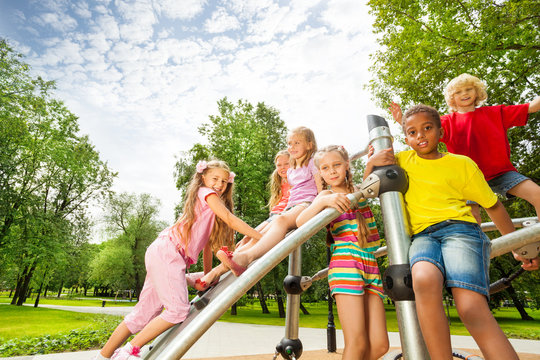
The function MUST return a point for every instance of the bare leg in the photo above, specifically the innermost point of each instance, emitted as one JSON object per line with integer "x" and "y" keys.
{"x": 150, "y": 331}
{"x": 243, "y": 245}
{"x": 528, "y": 191}
{"x": 277, "y": 230}
{"x": 376, "y": 326}
{"x": 119, "y": 335}
{"x": 428, "y": 286}
{"x": 473, "y": 310}
{"x": 352, "y": 317}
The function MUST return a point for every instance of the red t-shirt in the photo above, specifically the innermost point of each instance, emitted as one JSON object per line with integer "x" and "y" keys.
{"x": 285, "y": 191}
{"x": 481, "y": 135}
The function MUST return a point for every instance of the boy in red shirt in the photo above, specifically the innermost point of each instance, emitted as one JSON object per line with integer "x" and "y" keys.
{"x": 480, "y": 133}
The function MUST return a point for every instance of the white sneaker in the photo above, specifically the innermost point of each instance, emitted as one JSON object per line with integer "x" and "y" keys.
{"x": 123, "y": 354}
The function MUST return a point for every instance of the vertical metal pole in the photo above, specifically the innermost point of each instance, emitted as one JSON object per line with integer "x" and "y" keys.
{"x": 292, "y": 317}
{"x": 398, "y": 242}
{"x": 331, "y": 327}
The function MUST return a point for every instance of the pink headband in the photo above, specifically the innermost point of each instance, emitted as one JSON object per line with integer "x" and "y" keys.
{"x": 203, "y": 165}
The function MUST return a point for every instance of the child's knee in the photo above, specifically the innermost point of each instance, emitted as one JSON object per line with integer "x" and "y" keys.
{"x": 426, "y": 277}
{"x": 379, "y": 348}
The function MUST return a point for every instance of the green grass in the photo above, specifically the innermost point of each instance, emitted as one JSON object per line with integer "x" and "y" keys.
{"x": 22, "y": 321}
{"x": 508, "y": 319}
{"x": 73, "y": 301}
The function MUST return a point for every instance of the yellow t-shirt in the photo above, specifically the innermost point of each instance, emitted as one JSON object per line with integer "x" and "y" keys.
{"x": 439, "y": 188}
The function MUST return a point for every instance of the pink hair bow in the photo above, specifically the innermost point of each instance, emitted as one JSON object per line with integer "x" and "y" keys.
{"x": 232, "y": 175}
{"x": 201, "y": 166}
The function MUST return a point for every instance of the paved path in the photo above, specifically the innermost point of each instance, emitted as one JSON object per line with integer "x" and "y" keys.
{"x": 230, "y": 339}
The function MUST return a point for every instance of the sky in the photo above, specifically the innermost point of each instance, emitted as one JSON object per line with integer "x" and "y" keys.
{"x": 143, "y": 75}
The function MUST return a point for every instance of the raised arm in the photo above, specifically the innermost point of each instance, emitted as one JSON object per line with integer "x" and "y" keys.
{"x": 534, "y": 105}
{"x": 325, "y": 199}
{"x": 397, "y": 114}
{"x": 229, "y": 218}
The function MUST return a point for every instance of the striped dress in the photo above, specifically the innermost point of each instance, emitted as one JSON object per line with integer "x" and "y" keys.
{"x": 353, "y": 269}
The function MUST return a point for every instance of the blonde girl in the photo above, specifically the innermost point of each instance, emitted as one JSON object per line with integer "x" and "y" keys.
{"x": 305, "y": 183}
{"x": 206, "y": 224}
{"x": 279, "y": 196}
{"x": 353, "y": 274}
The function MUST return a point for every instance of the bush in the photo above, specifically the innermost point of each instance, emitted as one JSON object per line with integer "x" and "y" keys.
{"x": 78, "y": 339}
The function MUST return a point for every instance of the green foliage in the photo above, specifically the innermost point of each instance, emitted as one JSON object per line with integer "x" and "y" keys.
{"x": 74, "y": 340}
{"x": 48, "y": 175}
{"x": 131, "y": 220}
{"x": 425, "y": 44}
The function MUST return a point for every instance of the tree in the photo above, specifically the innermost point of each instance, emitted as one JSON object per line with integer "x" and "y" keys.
{"x": 247, "y": 137}
{"x": 48, "y": 173}
{"x": 131, "y": 220}
{"x": 424, "y": 44}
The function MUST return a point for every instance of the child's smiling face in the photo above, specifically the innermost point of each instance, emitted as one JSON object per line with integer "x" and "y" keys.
{"x": 282, "y": 165}
{"x": 216, "y": 179}
{"x": 333, "y": 168}
{"x": 422, "y": 133}
{"x": 465, "y": 98}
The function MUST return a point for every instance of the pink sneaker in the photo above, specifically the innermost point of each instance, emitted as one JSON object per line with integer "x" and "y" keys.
{"x": 123, "y": 354}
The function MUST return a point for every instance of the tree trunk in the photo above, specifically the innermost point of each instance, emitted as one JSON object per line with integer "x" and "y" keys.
{"x": 262, "y": 300}
{"x": 233, "y": 309}
{"x": 25, "y": 285}
{"x": 17, "y": 290}
{"x": 36, "y": 303}
{"x": 60, "y": 289}
{"x": 277, "y": 284}
{"x": 518, "y": 304}
{"x": 46, "y": 289}
{"x": 304, "y": 310}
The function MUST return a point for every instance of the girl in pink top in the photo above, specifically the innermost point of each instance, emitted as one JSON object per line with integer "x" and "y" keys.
{"x": 206, "y": 224}
{"x": 305, "y": 182}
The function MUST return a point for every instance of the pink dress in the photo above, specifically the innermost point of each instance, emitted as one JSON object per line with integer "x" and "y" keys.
{"x": 166, "y": 261}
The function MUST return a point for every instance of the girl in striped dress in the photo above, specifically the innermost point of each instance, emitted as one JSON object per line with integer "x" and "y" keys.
{"x": 353, "y": 274}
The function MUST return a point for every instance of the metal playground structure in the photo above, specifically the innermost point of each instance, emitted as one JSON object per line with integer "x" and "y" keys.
{"x": 388, "y": 184}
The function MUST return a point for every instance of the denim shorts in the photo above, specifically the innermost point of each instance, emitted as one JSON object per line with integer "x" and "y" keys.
{"x": 459, "y": 249}
{"x": 502, "y": 183}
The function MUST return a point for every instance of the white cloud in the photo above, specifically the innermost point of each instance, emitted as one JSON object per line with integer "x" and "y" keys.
{"x": 350, "y": 16}
{"x": 182, "y": 10}
{"x": 82, "y": 9}
{"x": 58, "y": 21}
{"x": 221, "y": 21}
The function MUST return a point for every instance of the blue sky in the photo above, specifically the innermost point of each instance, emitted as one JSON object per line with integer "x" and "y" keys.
{"x": 143, "y": 75}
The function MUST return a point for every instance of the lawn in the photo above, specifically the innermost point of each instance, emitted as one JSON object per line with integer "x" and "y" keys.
{"x": 39, "y": 328}
{"x": 73, "y": 301}
{"x": 21, "y": 321}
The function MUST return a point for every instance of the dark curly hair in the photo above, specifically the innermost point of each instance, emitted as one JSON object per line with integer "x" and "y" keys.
{"x": 421, "y": 108}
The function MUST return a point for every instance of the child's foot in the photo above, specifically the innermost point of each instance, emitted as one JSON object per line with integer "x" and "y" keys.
{"x": 191, "y": 278}
{"x": 226, "y": 258}
{"x": 201, "y": 285}
{"x": 124, "y": 354}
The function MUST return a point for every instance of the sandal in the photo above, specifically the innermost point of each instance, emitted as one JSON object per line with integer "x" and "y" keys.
{"x": 226, "y": 259}
{"x": 202, "y": 286}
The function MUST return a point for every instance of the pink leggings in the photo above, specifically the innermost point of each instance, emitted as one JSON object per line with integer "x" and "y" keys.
{"x": 164, "y": 287}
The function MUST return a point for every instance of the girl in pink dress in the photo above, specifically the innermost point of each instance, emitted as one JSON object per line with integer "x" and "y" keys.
{"x": 206, "y": 224}
{"x": 279, "y": 196}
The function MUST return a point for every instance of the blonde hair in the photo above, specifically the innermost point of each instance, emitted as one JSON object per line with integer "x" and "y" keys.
{"x": 275, "y": 182}
{"x": 363, "y": 231}
{"x": 461, "y": 81}
{"x": 309, "y": 137}
{"x": 222, "y": 234}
